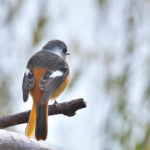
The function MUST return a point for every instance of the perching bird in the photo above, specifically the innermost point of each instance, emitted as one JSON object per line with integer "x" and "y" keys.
{"x": 45, "y": 78}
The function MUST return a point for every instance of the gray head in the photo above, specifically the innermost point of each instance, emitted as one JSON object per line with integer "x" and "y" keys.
{"x": 56, "y": 46}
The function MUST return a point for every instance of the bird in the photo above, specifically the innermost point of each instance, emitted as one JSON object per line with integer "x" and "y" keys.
{"x": 46, "y": 77}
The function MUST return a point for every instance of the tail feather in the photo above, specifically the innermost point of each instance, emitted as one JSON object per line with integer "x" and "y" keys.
{"x": 30, "y": 129}
{"x": 42, "y": 122}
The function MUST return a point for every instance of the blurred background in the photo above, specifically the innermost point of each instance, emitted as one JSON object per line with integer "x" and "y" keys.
{"x": 109, "y": 43}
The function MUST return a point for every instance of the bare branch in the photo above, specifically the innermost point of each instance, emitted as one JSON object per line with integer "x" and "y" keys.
{"x": 66, "y": 108}
{"x": 13, "y": 141}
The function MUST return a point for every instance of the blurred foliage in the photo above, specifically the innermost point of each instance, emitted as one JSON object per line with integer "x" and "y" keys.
{"x": 144, "y": 145}
{"x": 5, "y": 95}
{"x": 102, "y": 2}
{"x": 117, "y": 87}
{"x": 76, "y": 76}
{"x": 147, "y": 91}
{"x": 38, "y": 31}
{"x": 12, "y": 10}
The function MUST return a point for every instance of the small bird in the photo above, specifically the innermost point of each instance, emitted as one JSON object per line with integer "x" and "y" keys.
{"x": 45, "y": 78}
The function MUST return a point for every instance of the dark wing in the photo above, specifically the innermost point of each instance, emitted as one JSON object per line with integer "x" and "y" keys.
{"x": 50, "y": 83}
{"x": 28, "y": 84}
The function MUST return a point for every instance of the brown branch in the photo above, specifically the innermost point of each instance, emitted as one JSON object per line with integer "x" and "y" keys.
{"x": 66, "y": 108}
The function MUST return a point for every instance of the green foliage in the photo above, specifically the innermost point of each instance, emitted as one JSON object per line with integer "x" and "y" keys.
{"x": 144, "y": 145}
{"x": 101, "y": 2}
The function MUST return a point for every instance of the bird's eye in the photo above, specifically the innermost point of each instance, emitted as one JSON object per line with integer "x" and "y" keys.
{"x": 64, "y": 50}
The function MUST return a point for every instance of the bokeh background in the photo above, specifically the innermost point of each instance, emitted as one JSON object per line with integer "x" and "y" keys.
{"x": 109, "y": 43}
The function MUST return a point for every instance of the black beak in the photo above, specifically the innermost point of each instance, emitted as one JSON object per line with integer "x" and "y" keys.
{"x": 67, "y": 53}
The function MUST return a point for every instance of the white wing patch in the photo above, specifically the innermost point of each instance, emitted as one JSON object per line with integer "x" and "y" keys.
{"x": 27, "y": 71}
{"x": 56, "y": 73}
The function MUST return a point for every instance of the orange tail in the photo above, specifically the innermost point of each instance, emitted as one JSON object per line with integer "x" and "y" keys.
{"x": 42, "y": 122}
{"x": 30, "y": 129}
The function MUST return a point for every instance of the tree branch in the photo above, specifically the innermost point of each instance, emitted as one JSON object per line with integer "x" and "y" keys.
{"x": 14, "y": 141}
{"x": 66, "y": 108}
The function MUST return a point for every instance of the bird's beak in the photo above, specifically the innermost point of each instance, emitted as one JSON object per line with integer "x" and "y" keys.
{"x": 67, "y": 53}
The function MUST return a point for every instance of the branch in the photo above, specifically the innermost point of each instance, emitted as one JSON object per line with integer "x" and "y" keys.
{"x": 13, "y": 141}
{"x": 66, "y": 108}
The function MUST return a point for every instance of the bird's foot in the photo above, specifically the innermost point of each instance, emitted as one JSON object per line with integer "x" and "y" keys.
{"x": 55, "y": 103}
